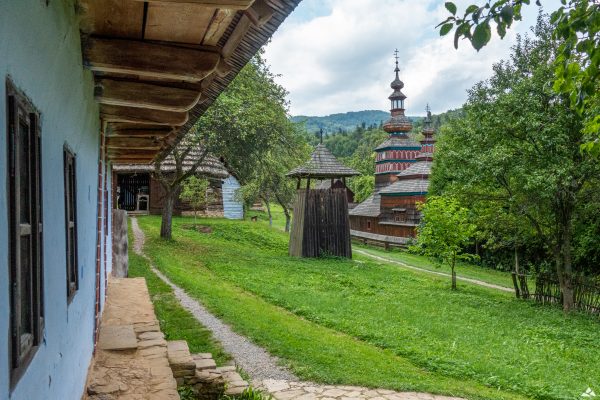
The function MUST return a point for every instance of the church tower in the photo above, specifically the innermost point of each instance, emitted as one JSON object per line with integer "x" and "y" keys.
{"x": 398, "y": 152}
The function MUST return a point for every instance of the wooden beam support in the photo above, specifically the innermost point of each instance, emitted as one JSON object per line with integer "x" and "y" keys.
{"x": 260, "y": 13}
{"x": 143, "y": 143}
{"x": 132, "y": 153}
{"x": 150, "y": 60}
{"x": 229, "y": 4}
{"x": 218, "y": 26}
{"x": 140, "y": 133}
{"x": 145, "y": 95}
{"x": 224, "y": 68}
{"x": 125, "y": 160}
{"x": 236, "y": 36}
{"x": 142, "y": 116}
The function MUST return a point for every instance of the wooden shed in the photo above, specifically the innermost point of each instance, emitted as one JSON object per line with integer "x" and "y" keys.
{"x": 320, "y": 224}
{"x": 232, "y": 207}
{"x": 136, "y": 190}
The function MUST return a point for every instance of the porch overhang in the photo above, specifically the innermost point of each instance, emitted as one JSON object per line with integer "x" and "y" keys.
{"x": 158, "y": 65}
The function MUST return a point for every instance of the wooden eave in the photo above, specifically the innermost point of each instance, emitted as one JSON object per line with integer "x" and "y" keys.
{"x": 158, "y": 65}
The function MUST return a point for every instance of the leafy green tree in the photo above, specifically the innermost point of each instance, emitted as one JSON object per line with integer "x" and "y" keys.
{"x": 247, "y": 121}
{"x": 576, "y": 25}
{"x": 517, "y": 148}
{"x": 445, "y": 231}
{"x": 362, "y": 186}
{"x": 195, "y": 191}
{"x": 250, "y": 127}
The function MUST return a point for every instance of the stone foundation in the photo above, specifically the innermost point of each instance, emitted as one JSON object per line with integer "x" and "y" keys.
{"x": 200, "y": 372}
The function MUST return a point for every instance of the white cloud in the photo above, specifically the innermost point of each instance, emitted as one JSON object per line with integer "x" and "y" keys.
{"x": 342, "y": 61}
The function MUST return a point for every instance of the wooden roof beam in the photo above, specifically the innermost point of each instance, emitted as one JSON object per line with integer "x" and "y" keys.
{"x": 260, "y": 13}
{"x": 229, "y": 4}
{"x": 144, "y": 116}
{"x": 140, "y": 133}
{"x": 145, "y": 95}
{"x": 143, "y": 143}
{"x": 132, "y": 153}
{"x": 236, "y": 36}
{"x": 150, "y": 60}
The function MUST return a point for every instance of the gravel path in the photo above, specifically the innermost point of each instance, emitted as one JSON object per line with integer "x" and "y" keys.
{"x": 254, "y": 360}
{"x": 460, "y": 278}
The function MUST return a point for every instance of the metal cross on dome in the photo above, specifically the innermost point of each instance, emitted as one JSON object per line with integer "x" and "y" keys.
{"x": 396, "y": 56}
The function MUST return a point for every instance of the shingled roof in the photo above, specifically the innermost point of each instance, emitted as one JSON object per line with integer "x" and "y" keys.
{"x": 420, "y": 169}
{"x": 322, "y": 164}
{"x": 400, "y": 142}
{"x": 210, "y": 166}
{"x": 406, "y": 187}
{"x": 371, "y": 207}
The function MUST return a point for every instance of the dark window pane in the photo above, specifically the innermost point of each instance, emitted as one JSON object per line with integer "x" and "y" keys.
{"x": 24, "y": 173}
{"x": 25, "y": 292}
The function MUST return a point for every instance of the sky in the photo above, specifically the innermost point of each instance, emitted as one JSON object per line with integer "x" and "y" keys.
{"x": 338, "y": 55}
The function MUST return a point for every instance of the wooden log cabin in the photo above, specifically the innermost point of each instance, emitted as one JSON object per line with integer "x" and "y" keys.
{"x": 86, "y": 85}
{"x": 136, "y": 189}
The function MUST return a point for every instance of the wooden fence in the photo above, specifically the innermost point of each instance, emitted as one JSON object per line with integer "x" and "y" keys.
{"x": 547, "y": 291}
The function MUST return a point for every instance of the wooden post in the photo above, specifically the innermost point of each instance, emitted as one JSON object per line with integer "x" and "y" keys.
{"x": 119, "y": 245}
{"x": 516, "y": 284}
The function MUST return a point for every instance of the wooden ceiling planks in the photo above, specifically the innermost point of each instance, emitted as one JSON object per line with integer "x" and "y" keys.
{"x": 180, "y": 23}
{"x": 231, "y": 4}
{"x": 113, "y": 18}
{"x": 181, "y": 59}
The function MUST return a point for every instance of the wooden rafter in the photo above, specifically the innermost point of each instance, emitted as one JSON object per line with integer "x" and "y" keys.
{"x": 130, "y": 130}
{"x": 150, "y": 60}
{"x": 116, "y": 142}
{"x": 145, "y": 95}
{"x": 142, "y": 116}
{"x": 260, "y": 13}
{"x": 229, "y": 4}
{"x": 236, "y": 36}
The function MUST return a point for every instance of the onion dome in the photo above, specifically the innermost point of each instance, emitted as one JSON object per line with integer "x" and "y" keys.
{"x": 428, "y": 142}
{"x": 398, "y": 123}
{"x": 397, "y": 97}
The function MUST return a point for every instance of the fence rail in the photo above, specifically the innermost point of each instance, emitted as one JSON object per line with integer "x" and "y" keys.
{"x": 586, "y": 292}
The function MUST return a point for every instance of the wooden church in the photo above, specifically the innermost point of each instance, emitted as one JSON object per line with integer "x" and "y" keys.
{"x": 390, "y": 216}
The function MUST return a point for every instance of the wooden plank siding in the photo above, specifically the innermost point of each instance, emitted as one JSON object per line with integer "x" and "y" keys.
{"x": 323, "y": 227}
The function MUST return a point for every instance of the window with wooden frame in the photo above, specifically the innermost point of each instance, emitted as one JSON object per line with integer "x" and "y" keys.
{"x": 71, "y": 222}
{"x": 368, "y": 224}
{"x": 25, "y": 230}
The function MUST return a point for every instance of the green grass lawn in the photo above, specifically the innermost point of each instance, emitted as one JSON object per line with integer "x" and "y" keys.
{"x": 374, "y": 324}
{"x": 263, "y": 217}
{"x": 466, "y": 270}
{"x": 488, "y": 275}
{"x": 175, "y": 321}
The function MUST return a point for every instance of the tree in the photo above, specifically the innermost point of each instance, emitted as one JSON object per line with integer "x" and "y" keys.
{"x": 243, "y": 124}
{"x": 445, "y": 231}
{"x": 577, "y": 63}
{"x": 183, "y": 162}
{"x": 195, "y": 191}
{"x": 517, "y": 148}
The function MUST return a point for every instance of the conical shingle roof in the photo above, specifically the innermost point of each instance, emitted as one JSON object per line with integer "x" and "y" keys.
{"x": 322, "y": 164}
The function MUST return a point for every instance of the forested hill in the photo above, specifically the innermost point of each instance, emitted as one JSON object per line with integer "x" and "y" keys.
{"x": 344, "y": 122}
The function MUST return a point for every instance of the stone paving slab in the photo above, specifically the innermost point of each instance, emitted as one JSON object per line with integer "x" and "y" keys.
{"x": 288, "y": 390}
{"x": 117, "y": 337}
{"x": 138, "y": 373}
